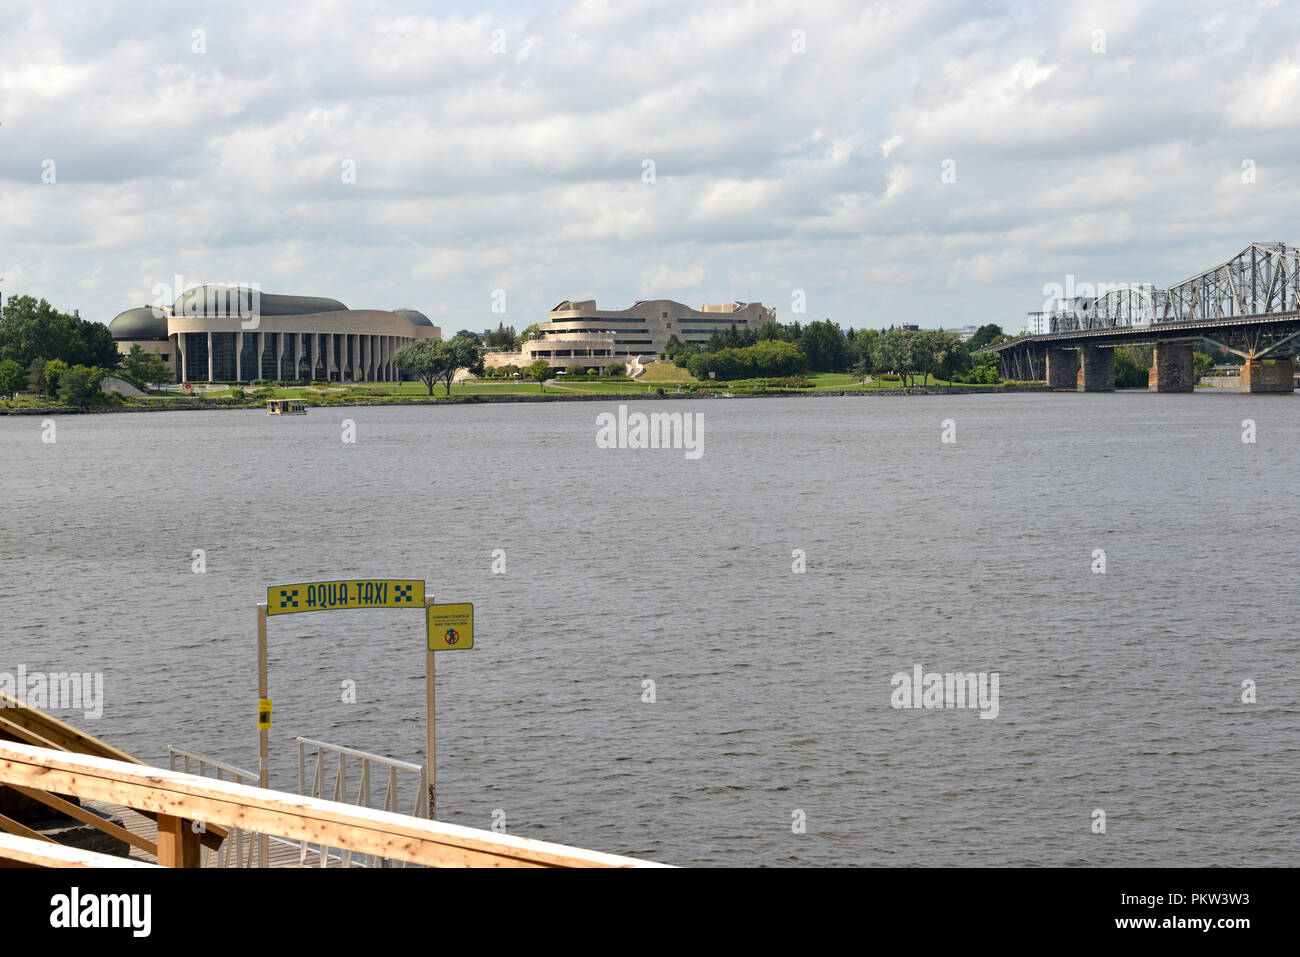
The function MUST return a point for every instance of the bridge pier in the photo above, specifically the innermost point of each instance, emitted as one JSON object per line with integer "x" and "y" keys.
{"x": 1172, "y": 368}
{"x": 1263, "y": 375}
{"x": 1096, "y": 369}
{"x": 1062, "y": 368}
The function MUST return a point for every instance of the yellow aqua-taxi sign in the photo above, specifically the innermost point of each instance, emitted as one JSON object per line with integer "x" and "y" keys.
{"x": 340, "y": 595}
{"x": 451, "y": 627}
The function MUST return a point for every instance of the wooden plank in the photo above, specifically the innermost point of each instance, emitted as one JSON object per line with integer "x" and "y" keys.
{"x": 63, "y": 735}
{"x": 21, "y": 719}
{"x": 360, "y": 830}
{"x": 23, "y": 733}
{"x": 178, "y": 844}
{"x": 88, "y": 817}
{"x": 30, "y": 853}
{"x": 22, "y": 830}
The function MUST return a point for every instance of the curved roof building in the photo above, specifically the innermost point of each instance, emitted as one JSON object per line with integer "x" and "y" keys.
{"x": 219, "y": 333}
{"x": 576, "y": 333}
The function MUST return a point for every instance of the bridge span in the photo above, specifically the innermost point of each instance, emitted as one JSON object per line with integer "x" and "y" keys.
{"x": 1248, "y": 306}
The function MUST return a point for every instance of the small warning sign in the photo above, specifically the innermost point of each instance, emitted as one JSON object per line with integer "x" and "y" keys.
{"x": 451, "y": 627}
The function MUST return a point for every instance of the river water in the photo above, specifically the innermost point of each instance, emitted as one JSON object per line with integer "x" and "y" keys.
{"x": 771, "y": 738}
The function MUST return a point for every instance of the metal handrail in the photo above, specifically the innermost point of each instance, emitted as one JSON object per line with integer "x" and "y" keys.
{"x": 242, "y": 857}
{"x": 324, "y": 751}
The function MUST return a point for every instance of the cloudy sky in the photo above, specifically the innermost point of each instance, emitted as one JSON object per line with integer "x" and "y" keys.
{"x": 934, "y": 162}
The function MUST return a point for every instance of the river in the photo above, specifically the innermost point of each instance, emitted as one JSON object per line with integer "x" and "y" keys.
{"x": 771, "y": 738}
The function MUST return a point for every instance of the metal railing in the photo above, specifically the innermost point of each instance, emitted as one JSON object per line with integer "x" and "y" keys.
{"x": 391, "y": 766}
{"x": 189, "y": 798}
{"x": 238, "y": 848}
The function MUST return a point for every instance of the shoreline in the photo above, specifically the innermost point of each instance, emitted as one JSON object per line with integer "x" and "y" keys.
{"x": 205, "y": 405}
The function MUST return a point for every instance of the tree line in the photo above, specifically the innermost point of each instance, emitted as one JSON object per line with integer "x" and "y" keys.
{"x": 781, "y": 349}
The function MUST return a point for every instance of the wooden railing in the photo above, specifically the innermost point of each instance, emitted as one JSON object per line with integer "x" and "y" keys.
{"x": 21, "y": 722}
{"x": 178, "y": 799}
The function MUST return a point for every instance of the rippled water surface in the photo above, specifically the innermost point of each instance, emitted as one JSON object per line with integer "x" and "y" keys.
{"x": 1118, "y": 691}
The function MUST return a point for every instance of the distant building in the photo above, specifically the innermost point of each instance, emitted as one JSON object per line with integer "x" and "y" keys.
{"x": 208, "y": 335}
{"x": 579, "y": 334}
{"x": 965, "y": 333}
{"x": 1072, "y": 313}
{"x": 910, "y": 327}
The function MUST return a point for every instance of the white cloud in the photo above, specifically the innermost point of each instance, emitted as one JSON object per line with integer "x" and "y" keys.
{"x": 522, "y": 170}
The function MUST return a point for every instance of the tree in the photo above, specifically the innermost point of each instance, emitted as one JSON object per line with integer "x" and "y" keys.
{"x": 823, "y": 343}
{"x": 539, "y": 372}
{"x": 1201, "y": 363}
{"x": 36, "y": 375}
{"x": 953, "y": 358}
{"x": 31, "y": 328}
{"x": 459, "y": 354}
{"x": 80, "y": 385}
{"x": 433, "y": 360}
{"x": 475, "y": 337}
{"x": 615, "y": 368}
{"x": 503, "y": 337}
{"x": 418, "y": 359}
{"x": 1131, "y": 368}
{"x": 54, "y": 369}
{"x": 12, "y": 378}
{"x": 145, "y": 367}
{"x": 528, "y": 334}
{"x": 984, "y": 335}
{"x": 91, "y": 344}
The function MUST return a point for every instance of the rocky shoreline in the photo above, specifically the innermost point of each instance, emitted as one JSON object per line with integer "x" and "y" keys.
{"x": 200, "y": 405}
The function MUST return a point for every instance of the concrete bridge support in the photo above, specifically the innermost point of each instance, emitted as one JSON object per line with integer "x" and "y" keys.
{"x": 1264, "y": 375}
{"x": 1062, "y": 368}
{"x": 1096, "y": 369}
{"x": 1172, "y": 368}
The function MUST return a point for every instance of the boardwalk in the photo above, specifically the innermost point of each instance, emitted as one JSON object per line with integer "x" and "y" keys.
{"x": 282, "y": 853}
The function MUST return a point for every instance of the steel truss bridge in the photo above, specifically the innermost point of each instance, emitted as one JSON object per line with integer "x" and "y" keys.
{"x": 1249, "y": 306}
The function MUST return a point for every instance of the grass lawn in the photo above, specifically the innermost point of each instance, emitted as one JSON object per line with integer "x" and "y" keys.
{"x": 659, "y": 373}
{"x": 843, "y": 381}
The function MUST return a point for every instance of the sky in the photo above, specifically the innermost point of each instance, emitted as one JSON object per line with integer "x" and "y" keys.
{"x": 939, "y": 163}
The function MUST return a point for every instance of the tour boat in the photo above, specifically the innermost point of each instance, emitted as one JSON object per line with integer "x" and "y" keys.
{"x": 285, "y": 407}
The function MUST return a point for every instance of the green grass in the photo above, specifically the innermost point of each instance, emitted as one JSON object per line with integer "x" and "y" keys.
{"x": 661, "y": 373}
{"x": 844, "y": 381}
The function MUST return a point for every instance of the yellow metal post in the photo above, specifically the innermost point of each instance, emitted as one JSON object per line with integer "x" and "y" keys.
{"x": 428, "y": 670}
{"x": 263, "y": 773}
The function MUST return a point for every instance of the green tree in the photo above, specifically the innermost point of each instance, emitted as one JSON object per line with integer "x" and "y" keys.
{"x": 145, "y": 367}
{"x": 29, "y": 328}
{"x": 529, "y": 333}
{"x": 79, "y": 385}
{"x": 615, "y": 368}
{"x": 36, "y": 375}
{"x": 503, "y": 337}
{"x": 823, "y": 343}
{"x": 1202, "y": 363}
{"x": 460, "y": 354}
{"x": 539, "y": 372}
{"x": 984, "y": 335}
{"x": 419, "y": 360}
{"x": 91, "y": 344}
{"x": 953, "y": 357}
{"x": 12, "y": 377}
{"x": 433, "y": 360}
{"x": 1130, "y": 371}
{"x": 54, "y": 369}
